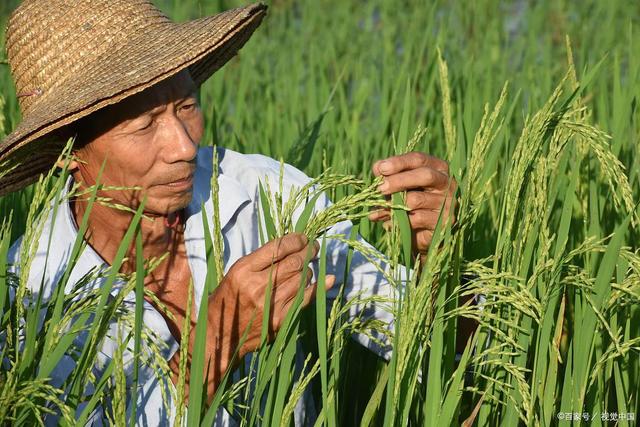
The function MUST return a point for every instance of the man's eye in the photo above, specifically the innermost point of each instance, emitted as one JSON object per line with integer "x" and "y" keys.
{"x": 145, "y": 125}
{"x": 187, "y": 108}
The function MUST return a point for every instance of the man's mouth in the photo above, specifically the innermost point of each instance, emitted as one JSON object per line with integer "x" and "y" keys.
{"x": 181, "y": 184}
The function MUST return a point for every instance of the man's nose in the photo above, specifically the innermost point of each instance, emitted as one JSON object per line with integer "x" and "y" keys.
{"x": 179, "y": 145}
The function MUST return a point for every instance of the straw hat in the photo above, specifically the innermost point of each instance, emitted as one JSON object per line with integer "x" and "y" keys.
{"x": 70, "y": 58}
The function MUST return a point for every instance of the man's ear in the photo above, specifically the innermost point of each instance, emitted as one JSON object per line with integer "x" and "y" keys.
{"x": 65, "y": 134}
{"x": 72, "y": 164}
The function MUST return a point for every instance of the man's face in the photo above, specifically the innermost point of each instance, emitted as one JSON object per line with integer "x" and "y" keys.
{"x": 150, "y": 141}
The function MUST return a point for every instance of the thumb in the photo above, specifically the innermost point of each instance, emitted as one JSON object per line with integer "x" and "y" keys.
{"x": 329, "y": 281}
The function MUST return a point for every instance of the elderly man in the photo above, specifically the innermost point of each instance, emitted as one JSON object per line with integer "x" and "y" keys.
{"x": 123, "y": 79}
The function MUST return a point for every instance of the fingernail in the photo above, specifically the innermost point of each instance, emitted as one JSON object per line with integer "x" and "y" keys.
{"x": 384, "y": 166}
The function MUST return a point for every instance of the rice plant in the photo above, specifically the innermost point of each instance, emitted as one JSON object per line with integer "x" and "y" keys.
{"x": 533, "y": 104}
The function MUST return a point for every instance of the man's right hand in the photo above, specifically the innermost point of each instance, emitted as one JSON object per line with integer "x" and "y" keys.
{"x": 237, "y": 305}
{"x": 240, "y": 298}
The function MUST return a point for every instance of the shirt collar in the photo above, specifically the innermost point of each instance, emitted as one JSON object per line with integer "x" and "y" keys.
{"x": 232, "y": 195}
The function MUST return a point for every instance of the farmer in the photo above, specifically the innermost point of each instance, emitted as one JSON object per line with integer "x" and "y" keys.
{"x": 122, "y": 79}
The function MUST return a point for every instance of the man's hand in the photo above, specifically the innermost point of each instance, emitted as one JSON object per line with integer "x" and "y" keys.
{"x": 237, "y": 305}
{"x": 430, "y": 192}
{"x": 243, "y": 289}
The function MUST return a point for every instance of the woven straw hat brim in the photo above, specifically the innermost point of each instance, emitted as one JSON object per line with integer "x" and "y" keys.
{"x": 203, "y": 46}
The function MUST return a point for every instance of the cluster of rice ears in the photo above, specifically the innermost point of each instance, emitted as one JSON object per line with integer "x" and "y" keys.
{"x": 545, "y": 231}
{"x": 557, "y": 332}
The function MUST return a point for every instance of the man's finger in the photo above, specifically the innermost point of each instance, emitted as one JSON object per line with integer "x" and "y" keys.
{"x": 408, "y": 161}
{"x": 308, "y": 296}
{"x": 420, "y": 178}
{"x": 276, "y": 250}
{"x": 292, "y": 264}
{"x": 427, "y": 200}
{"x": 424, "y": 219}
{"x": 287, "y": 290}
{"x": 295, "y": 262}
{"x": 285, "y": 269}
{"x": 380, "y": 215}
{"x": 423, "y": 239}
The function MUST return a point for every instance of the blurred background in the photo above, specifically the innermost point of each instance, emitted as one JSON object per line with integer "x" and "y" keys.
{"x": 326, "y": 83}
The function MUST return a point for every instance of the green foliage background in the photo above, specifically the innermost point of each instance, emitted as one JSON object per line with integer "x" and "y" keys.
{"x": 335, "y": 83}
{"x": 280, "y": 84}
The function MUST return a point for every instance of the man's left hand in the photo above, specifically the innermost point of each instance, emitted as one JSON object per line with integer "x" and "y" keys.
{"x": 430, "y": 192}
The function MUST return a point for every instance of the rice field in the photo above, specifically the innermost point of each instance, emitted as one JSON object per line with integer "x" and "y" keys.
{"x": 534, "y": 106}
